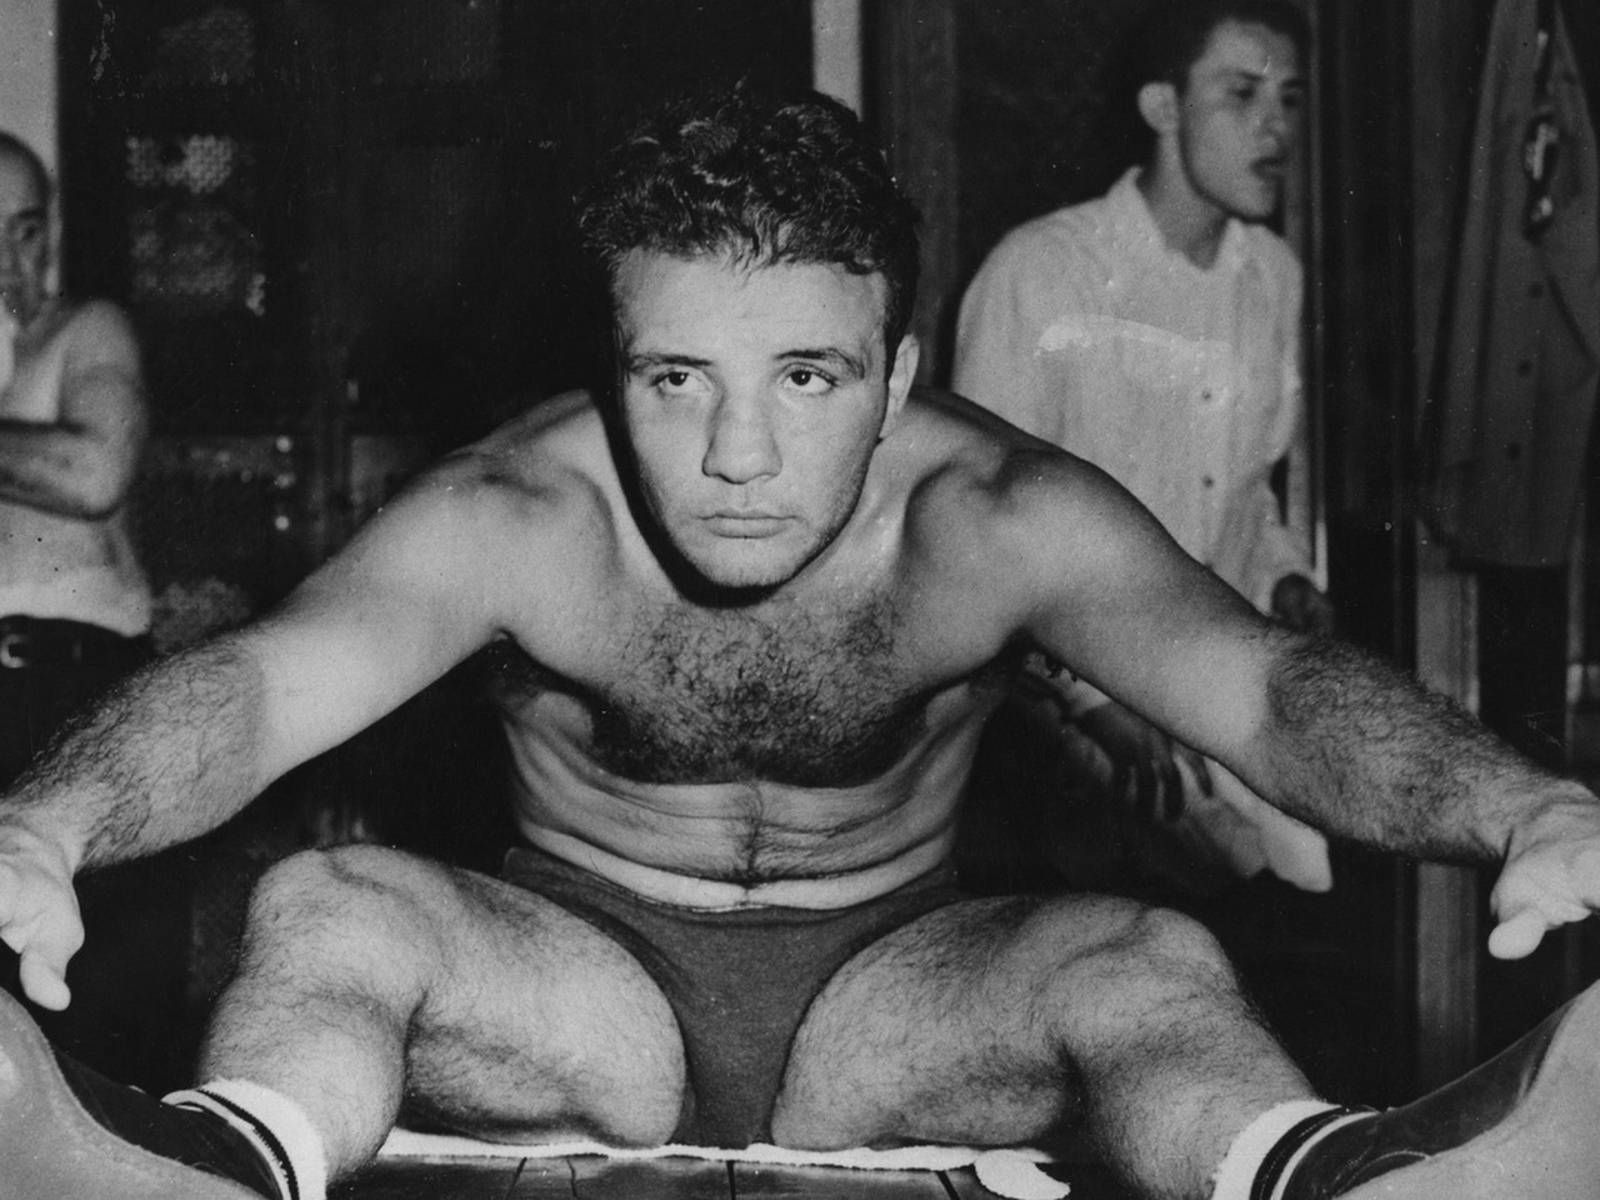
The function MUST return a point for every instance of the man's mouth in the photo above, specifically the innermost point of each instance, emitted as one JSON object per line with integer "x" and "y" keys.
{"x": 1270, "y": 169}
{"x": 742, "y": 524}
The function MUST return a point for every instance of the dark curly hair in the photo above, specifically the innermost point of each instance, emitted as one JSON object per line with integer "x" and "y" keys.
{"x": 765, "y": 179}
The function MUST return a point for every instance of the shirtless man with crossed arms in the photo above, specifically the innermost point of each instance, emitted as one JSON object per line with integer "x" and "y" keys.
{"x": 760, "y": 597}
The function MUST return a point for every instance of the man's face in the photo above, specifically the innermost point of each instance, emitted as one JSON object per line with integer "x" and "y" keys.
{"x": 1239, "y": 119}
{"x": 24, "y": 239}
{"x": 753, "y": 399}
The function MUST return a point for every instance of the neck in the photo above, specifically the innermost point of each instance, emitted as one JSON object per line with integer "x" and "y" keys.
{"x": 1189, "y": 224}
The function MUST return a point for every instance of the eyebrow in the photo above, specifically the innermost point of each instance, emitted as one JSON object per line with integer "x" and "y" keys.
{"x": 649, "y": 359}
{"x": 846, "y": 364}
{"x": 1290, "y": 82}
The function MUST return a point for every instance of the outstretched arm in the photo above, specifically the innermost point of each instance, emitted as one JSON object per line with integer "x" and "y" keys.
{"x": 186, "y": 743}
{"x": 1327, "y": 732}
{"x": 166, "y": 756}
{"x": 1406, "y": 769}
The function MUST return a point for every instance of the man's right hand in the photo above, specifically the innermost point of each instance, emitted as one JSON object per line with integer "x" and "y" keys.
{"x": 1144, "y": 760}
{"x": 39, "y": 916}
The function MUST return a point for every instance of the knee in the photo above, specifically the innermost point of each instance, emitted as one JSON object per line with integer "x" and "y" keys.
{"x": 1154, "y": 951}
{"x": 1169, "y": 939}
{"x": 330, "y": 880}
{"x": 348, "y": 903}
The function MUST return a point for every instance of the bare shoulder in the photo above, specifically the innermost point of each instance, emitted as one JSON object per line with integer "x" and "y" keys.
{"x": 1022, "y": 539}
{"x": 984, "y": 496}
{"x": 98, "y": 330}
{"x": 96, "y": 314}
{"x": 977, "y": 475}
{"x": 552, "y": 454}
{"x": 540, "y": 490}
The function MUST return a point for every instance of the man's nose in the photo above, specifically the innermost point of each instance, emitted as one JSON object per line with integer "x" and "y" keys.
{"x": 1277, "y": 123}
{"x": 742, "y": 446}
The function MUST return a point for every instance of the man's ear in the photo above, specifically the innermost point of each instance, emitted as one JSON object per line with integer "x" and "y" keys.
{"x": 901, "y": 377}
{"x": 1158, "y": 105}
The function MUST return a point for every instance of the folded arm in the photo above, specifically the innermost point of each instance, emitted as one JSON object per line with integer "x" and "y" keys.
{"x": 83, "y": 463}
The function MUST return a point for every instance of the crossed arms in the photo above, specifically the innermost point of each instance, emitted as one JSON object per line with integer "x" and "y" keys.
{"x": 83, "y": 463}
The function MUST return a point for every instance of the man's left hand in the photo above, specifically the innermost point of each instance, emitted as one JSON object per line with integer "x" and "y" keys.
{"x": 1551, "y": 878}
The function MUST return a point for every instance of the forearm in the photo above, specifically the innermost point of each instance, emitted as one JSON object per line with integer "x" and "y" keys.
{"x": 168, "y": 755}
{"x": 1361, "y": 750}
{"x": 60, "y": 470}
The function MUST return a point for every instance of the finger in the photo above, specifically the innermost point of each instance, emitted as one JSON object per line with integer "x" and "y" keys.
{"x": 1585, "y": 874}
{"x": 45, "y": 983}
{"x": 1133, "y": 789}
{"x": 1122, "y": 785}
{"x": 1198, "y": 767}
{"x": 46, "y": 942}
{"x": 1518, "y": 934}
{"x": 10, "y": 886}
{"x": 1149, "y": 790}
{"x": 1172, "y": 787}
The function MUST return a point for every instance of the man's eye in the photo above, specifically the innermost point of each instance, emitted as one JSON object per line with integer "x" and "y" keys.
{"x": 810, "y": 381}
{"x": 672, "y": 381}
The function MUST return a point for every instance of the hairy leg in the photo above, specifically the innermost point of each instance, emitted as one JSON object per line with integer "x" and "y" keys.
{"x": 994, "y": 1021}
{"x": 369, "y": 975}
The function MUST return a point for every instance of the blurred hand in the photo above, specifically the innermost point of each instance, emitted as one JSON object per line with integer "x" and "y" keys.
{"x": 1143, "y": 760}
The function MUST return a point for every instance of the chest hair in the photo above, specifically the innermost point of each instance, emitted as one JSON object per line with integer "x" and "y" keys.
{"x": 784, "y": 696}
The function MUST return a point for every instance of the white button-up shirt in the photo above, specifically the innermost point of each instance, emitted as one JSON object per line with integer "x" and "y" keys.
{"x": 1182, "y": 382}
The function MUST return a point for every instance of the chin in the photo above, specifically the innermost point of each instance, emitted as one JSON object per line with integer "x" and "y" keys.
{"x": 744, "y": 567}
{"x": 745, "y": 576}
{"x": 1265, "y": 206}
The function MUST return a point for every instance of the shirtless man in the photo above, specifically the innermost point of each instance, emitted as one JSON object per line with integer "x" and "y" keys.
{"x": 762, "y": 597}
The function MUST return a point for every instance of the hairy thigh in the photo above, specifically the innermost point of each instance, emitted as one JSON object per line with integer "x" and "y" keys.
{"x": 979, "y": 1022}
{"x": 516, "y": 1018}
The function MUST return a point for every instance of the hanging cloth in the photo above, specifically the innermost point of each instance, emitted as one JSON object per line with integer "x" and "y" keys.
{"x": 1505, "y": 440}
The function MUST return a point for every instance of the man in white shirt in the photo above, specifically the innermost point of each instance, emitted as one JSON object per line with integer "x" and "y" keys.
{"x": 1155, "y": 332}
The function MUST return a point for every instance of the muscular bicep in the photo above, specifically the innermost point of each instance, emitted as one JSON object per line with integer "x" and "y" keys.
{"x": 412, "y": 595}
{"x": 1127, "y": 610}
